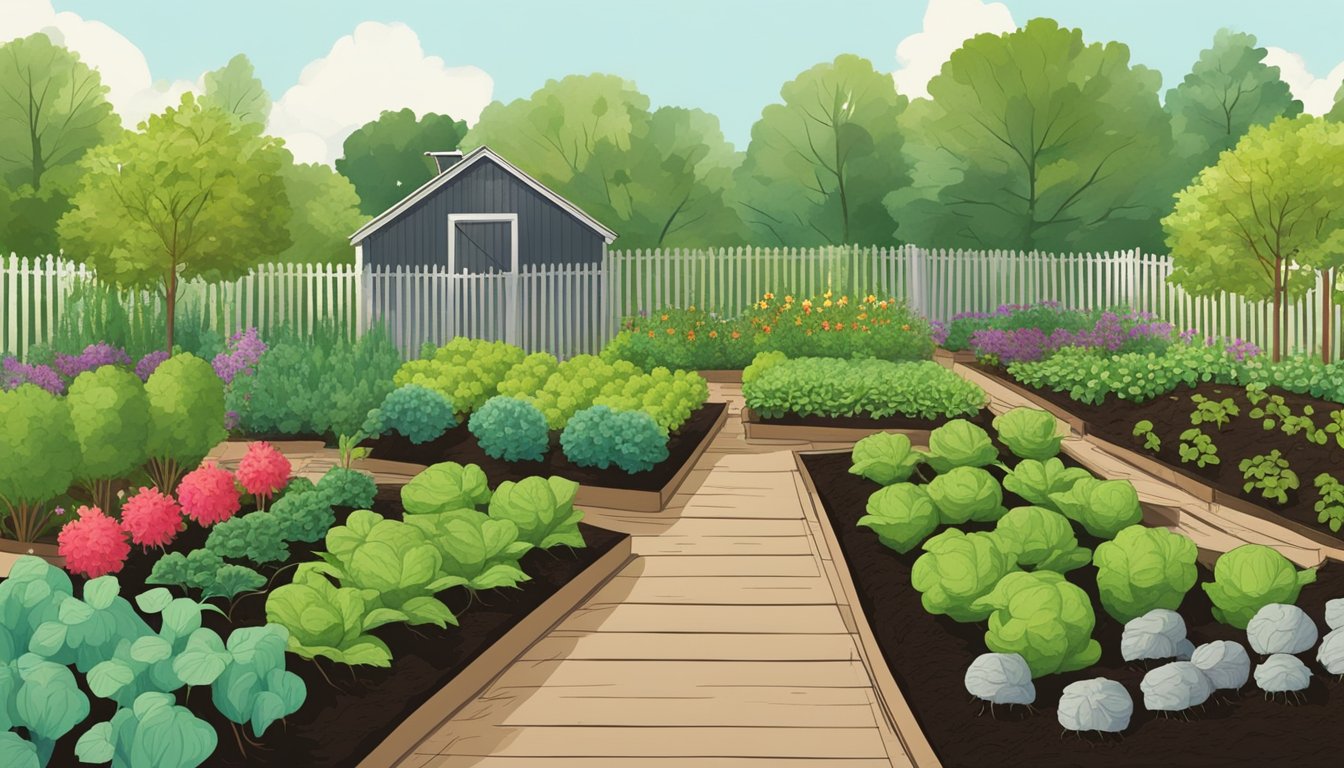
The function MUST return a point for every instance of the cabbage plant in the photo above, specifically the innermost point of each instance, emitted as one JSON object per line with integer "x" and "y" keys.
{"x": 902, "y": 515}
{"x": 542, "y": 508}
{"x": 329, "y": 621}
{"x": 1044, "y": 619}
{"x": 885, "y": 458}
{"x": 1103, "y": 507}
{"x": 1250, "y": 577}
{"x": 955, "y": 569}
{"x": 959, "y": 443}
{"x": 966, "y": 493}
{"x": 1144, "y": 568}
{"x": 1040, "y": 539}
{"x": 1029, "y": 433}
{"x": 444, "y": 486}
{"x": 1035, "y": 481}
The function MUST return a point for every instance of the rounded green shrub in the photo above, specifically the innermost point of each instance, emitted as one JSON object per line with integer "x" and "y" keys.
{"x": 39, "y": 455}
{"x": 186, "y": 410}
{"x": 600, "y": 437}
{"x": 419, "y": 414}
{"x": 343, "y": 487}
{"x": 110, "y": 413}
{"x": 510, "y": 429}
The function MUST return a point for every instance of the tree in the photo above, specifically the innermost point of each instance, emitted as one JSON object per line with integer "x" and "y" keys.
{"x": 656, "y": 178}
{"x": 235, "y": 89}
{"x": 385, "y": 159}
{"x": 1035, "y": 140}
{"x": 53, "y": 108}
{"x": 193, "y": 193}
{"x": 1260, "y": 221}
{"x": 1336, "y": 112}
{"x": 820, "y": 163}
{"x": 325, "y": 213}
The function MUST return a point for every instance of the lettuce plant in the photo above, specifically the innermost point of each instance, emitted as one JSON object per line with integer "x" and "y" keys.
{"x": 1144, "y": 568}
{"x": 958, "y": 568}
{"x": 479, "y": 552}
{"x": 966, "y": 493}
{"x": 1035, "y": 481}
{"x": 959, "y": 443}
{"x": 1042, "y": 618}
{"x": 1029, "y": 433}
{"x": 902, "y": 515}
{"x": 153, "y": 731}
{"x": 1041, "y": 539}
{"x": 1250, "y": 577}
{"x": 444, "y": 486}
{"x": 255, "y": 688}
{"x": 668, "y": 397}
{"x": 1103, "y": 507}
{"x": 885, "y": 458}
{"x": 466, "y": 371}
{"x": 600, "y": 437}
{"x": 542, "y": 508}
{"x": 331, "y": 622}
{"x": 510, "y": 429}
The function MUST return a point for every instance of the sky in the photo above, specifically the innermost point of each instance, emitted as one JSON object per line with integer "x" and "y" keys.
{"x": 332, "y": 65}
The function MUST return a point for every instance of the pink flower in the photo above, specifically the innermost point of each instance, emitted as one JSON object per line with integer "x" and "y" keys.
{"x": 93, "y": 544}
{"x": 263, "y": 470}
{"x": 152, "y": 518}
{"x": 208, "y": 495}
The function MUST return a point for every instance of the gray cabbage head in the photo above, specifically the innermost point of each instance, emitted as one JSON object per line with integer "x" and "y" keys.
{"x": 1098, "y": 704}
{"x": 1280, "y": 628}
{"x": 1157, "y": 634}
{"x": 1174, "y": 687}
{"x": 1000, "y": 678}
{"x": 1331, "y": 652}
{"x": 1225, "y": 663}
{"x": 1282, "y": 673}
{"x": 1334, "y": 613}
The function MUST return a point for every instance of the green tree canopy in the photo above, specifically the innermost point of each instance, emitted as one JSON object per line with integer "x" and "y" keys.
{"x": 1336, "y": 112}
{"x": 193, "y": 193}
{"x": 53, "y": 108}
{"x": 235, "y": 89}
{"x": 657, "y": 178}
{"x": 820, "y": 163}
{"x": 325, "y": 212}
{"x": 385, "y": 159}
{"x": 1260, "y": 221}
{"x": 1035, "y": 140}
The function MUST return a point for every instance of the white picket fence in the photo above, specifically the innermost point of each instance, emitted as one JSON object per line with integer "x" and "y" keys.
{"x": 573, "y": 309}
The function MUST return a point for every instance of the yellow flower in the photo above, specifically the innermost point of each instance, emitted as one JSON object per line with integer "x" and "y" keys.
{"x": 664, "y": 317}
{"x": 869, "y": 299}
{"x": 844, "y": 300}
{"x": 797, "y": 321}
{"x": 826, "y": 303}
{"x": 863, "y": 315}
{"x": 905, "y": 327}
{"x": 827, "y": 295}
{"x": 691, "y": 308}
{"x": 788, "y": 298}
{"x": 807, "y": 303}
{"x": 769, "y": 296}
{"x": 763, "y": 304}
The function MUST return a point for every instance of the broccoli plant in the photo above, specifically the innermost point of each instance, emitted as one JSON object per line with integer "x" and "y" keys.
{"x": 1269, "y": 474}
{"x": 1143, "y": 430}
{"x": 1330, "y": 507}
{"x": 1198, "y": 447}
{"x": 1218, "y": 412}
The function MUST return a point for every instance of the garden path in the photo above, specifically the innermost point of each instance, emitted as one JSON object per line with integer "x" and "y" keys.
{"x": 722, "y": 643}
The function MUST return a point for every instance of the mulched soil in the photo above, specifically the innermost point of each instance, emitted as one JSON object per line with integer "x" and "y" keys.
{"x": 1243, "y": 437}
{"x": 928, "y": 656}
{"x": 344, "y": 719}
{"x": 459, "y": 445}
{"x": 861, "y": 421}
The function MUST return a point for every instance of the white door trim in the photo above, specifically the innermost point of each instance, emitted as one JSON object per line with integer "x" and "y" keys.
{"x": 511, "y": 277}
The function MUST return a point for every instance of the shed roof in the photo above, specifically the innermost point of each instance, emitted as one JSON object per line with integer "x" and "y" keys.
{"x": 470, "y": 159}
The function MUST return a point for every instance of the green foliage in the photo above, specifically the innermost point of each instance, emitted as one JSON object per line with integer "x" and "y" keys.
{"x": 41, "y": 697}
{"x": 1272, "y": 412}
{"x": 543, "y": 510}
{"x": 256, "y": 536}
{"x": 1038, "y": 481}
{"x": 699, "y": 340}
{"x": 325, "y": 211}
{"x": 255, "y": 687}
{"x": 1143, "y": 429}
{"x": 1218, "y": 412}
{"x": 1269, "y": 474}
{"x": 1044, "y": 619}
{"x": 822, "y": 386}
{"x": 760, "y": 363}
{"x": 479, "y": 552}
{"x": 902, "y": 515}
{"x": 110, "y": 413}
{"x": 1144, "y": 568}
{"x": 957, "y": 569}
{"x": 18, "y": 752}
{"x": 204, "y": 569}
{"x": 1029, "y": 433}
{"x": 384, "y": 158}
{"x": 39, "y": 456}
{"x": 1330, "y": 506}
{"x": 1041, "y": 539}
{"x": 819, "y": 163}
{"x": 959, "y": 443}
{"x": 466, "y": 371}
{"x": 417, "y": 413}
{"x": 601, "y": 437}
{"x": 1198, "y": 447}
{"x": 966, "y": 493}
{"x": 322, "y": 383}
{"x": 347, "y": 488}
{"x": 351, "y": 450}
{"x": 510, "y": 429}
{"x": 153, "y": 731}
{"x": 885, "y": 458}
{"x": 668, "y": 397}
{"x": 1250, "y": 577}
{"x": 576, "y": 383}
{"x": 328, "y": 621}
{"x": 529, "y": 376}
{"x": 1090, "y": 376}
{"x": 186, "y": 411}
{"x": 306, "y": 515}
{"x": 445, "y": 486}
{"x": 235, "y": 89}
{"x": 1103, "y": 507}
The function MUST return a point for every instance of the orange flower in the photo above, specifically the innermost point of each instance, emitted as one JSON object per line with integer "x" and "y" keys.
{"x": 826, "y": 303}
{"x": 664, "y": 317}
{"x": 905, "y": 327}
{"x": 671, "y": 331}
{"x": 737, "y": 334}
{"x": 766, "y": 329}
{"x": 844, "y": 300}
{"x": 769, "y": 296}
{"x": 690, "y": 335}
{"x": 650, "y": 334}
{"x": 807, "y": 303}
{"x": 869, "y": 299}
{"x": 788, "y": 298}
{"x": 797, "y": 321}
{"x": 807, "y": 310}
{"x": 763, "y": 304}
{"x": 808, "y": 332}
{"x": 827, "y": 295}
{"x": 839, "y": 326}
{"x": 882, "y": 304}
{"x": 713, "y": 334}
{"x": 825, "y": 325}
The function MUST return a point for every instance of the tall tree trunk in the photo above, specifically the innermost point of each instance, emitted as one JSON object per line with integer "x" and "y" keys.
{"x": 1278, "y": 309}
{"x": 1327, "y": 314}
{"x": 170, "y": 292}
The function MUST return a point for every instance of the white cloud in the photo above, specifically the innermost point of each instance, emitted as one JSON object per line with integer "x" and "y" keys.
{"x": 121, "y": 64}
{"x": 379, "y": 67}
{"x": 1317, "y": 94}
{"x": 947, "y": 24}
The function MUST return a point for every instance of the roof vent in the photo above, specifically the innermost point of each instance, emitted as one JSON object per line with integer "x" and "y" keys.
{"x": 445, "y": 160}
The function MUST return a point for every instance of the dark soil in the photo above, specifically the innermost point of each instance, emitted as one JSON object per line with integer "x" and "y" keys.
{"x": 1243, "y": 437}
{"x": 861, "y": 421}
{"x": 459, "y": 445}
{"x": 928, "y": 656}
{"x": 344, "y": 719}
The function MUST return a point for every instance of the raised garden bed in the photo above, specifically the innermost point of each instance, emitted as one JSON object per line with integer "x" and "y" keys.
{"x": 927, "y": 656}
{"x": 947, "y": 358}
{"x": 610, "y": 488}
{"x": 840, "y": 429}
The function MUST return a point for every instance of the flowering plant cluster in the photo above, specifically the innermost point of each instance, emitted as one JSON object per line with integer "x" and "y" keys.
{"x": 150, "y": 363}
{"x": 92, "y": 358}
{"x": 684, "y": 339}
{"x": 14, "y": 374}
{"x": 1110, "y": 332}
{"x": 240, "y": 355}
{"x": 263, "y": 471}
{"x": 93, "y": 544}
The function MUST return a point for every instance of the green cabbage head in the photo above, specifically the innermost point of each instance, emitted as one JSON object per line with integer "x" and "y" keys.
{"x": 1250, "y": 577}
{"x": 1044, "y": 619}
{"x": 967, "y": 493}
{"x": 1103, "y": 507}
{"x": 955, "y": 569}
{"x": 959, "y": 443}
{"x": 901, "y": 515}
{"x": 1144, "y": 568}
{"x": 885, "y": 458}
{"x": 1036, "y": 480}
{"x": 1041, "y": 539}
{"x": 1029, "y": 433}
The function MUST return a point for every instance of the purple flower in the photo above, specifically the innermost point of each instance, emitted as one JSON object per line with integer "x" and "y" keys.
{"x": 92, "y": 358}
{"x": 242, "y": 352}
{"x": 231, "y": 420}
{"x": 14, "y": 374}
{"x": 149, "y": 363}
{"x": 938, "y": 332}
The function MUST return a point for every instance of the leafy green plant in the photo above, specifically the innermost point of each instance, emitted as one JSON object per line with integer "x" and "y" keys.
{"x": 574, "y": 386}
{"x": 956, "y": 569}
{"x": 1143, "y": 430}
{"x": 153, "y": 731}
{"x": 349, "y": 488}
{"x": 902, "y": 515}
{"x": 1103, "y": 507}
{"x": 528, "y": 376}
{"x": 255, "y": 688}
{"x": 816, "y": 386}
{"x": 760, "y": 363}
{"x": 966, "y": 493}
{"x": 959, "y": 443}
{"x": 256, "y": 536}
{"x": 1144, "y": 568}
{"x": 326, "y": 621}
{"x": 478, "y": 551}
{"x": 1330, "y": 507}
{"x": 186, "y": 411}
{"x": 307, "y": 515}
{"x": 466, "y": 371}
{"x": 1335, "y": 427}
{"x": 885, "y": 458}
{"x": 110, "y": 413}
{"x": 1041, "y": 539}
{"x": 1199, "y": 448}
{"x": 44, "y": 699}
{"x": 205, "y": 570}
{"x": 1029, "y": 433}
{"x": 1217, "y": 412}
{"x": 1269, "y": 474}
{"x": 600, "y": 437}
{"x": 1036, "y": 481}
{"x": 445, "y": 486}
{"x": 1271, "y": 412}
{"x": 40, "y": 454}
{"x": 542, "y": 508}
{"x": 510, "y": 429}
{"x": 669, "y": 398}
{"x": 1293, "y": 424}
{"x": 419, "y": 414}
{"x": 1043, "y": 618}
{"x": 1250, "y": 577}
{"x": 351, "y": 450}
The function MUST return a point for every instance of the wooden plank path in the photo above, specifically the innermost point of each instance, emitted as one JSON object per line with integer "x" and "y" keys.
{"x": 722, "y": 644}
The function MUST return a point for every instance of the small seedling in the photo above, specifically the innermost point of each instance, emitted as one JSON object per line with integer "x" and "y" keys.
{"x": 1335, "y": 427}
{"x": 1269, "y": 473}
{"x": 1199, "y": 448}
{"x": 351, "y": 450}
{"x": 1218, "y": 412}
{"x": 1330, "y": 507}
{"x": 1255, "y": 393}
{"x": 1272, "y": 412}
{"x": 1144, "y": 429}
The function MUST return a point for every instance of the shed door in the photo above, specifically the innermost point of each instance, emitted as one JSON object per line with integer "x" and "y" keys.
{"x": 483, "y": 260}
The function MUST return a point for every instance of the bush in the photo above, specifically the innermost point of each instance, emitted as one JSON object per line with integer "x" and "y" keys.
{"x": 347, "y": 488}
{"x": 263, "y": 470}
{"x": 683, "y": 339}
{"x": 38, "y": 458}
{"x": 600, "y": 437}
{"x": 831, "y": 325}
{"x": 958, "y": 568}
{"x": 575, "y": 384}
{"x": 527, "y": 378}
{"x": 1041, "y": 539}
{"x": 110, "y": 413}
{"x": 93, "y": 544}
{"x": 1144, "y": 568}
{"x": 208, "y": 495}
{"x": 466, "y": 371}
{"x": 510, "y": 429}
{"x": 871, "y": 388}
{"x": 1044, "y": 619}
{"x": 256, "y": 536}
{"x": 1250, "y": 577}
{"x": 902, "y": 515}
{"x": 186, "y": 411}
{"x": 417, "y": 413}
{"x": 670, "y": 398}
{"x": 306, "y": 515}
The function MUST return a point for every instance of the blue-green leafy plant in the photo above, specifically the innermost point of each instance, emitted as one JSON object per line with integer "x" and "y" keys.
{"x": 419, "y": 414}
{"x": 1199, "y": 448}
{"x": 1144, "y": 568}
{"x": 1330, "y": 506}
{"x": 958, "y": 568}
{"x": 601, "y": 437}
{"x": 205, "y": 570}
{"x": 1029, "y": 433}
{"x": 347, "y": 488}
{"x": 542, "y": 508}
{"x": 1044, "y": 619}
{"x": 885, "y": 458}
{"x": 154, "y": 731}
{"x": 959, "y": 443}
{"x": 1041, "y": 539}
{"x": 307, "y": 515}
{"x": 256, "y": 536}
{"x": 902, "y": 515}
{"x": 966, "y": 493}
{"x": 1250, "y": 577}
{"x": 1143, "y": 430}
{"x": 510, "y": 429}
{"x": 1269, "y": 474}
{"x": 43, "y": 698}
{"x": 1103, "y": 507}
{"x": 255, "y": 688}
{"x": 445, "y": 486}
{"x": 1216, "y": 412}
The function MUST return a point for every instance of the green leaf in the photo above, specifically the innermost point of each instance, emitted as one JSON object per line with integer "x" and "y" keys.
{"x": 151, "y": 649}
{"x": 154, "y": 601}
{"x": 267, "y": 708}
{"x": 48, "y": 639}
{"x": 74, "y": 612}
{"x": 203, "y": 659}
{"x": 18, "y": 752}
{"x": 96, "y": 745}
{"x": 108, "y": 677}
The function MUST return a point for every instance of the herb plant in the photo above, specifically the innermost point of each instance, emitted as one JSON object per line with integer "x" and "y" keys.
{"x": 1268, "y": 473}
{"x": 1330, "y": 507}
{"x": 1218, "y": 412}
{"x": 1198, "y": 447}
{"x": 1143, "y": 429}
